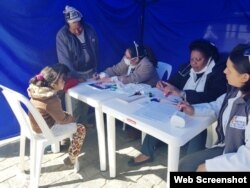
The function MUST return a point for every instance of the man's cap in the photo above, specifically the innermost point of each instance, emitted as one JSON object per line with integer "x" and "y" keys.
{"x": 71, "y": 14}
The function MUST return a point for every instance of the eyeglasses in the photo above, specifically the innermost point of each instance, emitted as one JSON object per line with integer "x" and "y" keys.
{"x": 184, "y": 72}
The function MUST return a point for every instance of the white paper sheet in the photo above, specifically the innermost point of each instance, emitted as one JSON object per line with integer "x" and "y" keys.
{"x": 156, "y": 111}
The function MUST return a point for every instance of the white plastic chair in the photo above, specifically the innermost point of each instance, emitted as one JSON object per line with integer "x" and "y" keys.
{"x": 163, "y": 68}
{"x": 20, "y": 105}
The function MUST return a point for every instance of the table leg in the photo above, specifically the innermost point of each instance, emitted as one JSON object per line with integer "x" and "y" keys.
{"x": 68, "y": 103}
{"x": 173, "y": 161}
{"x": 101, "y": 138}
{"x": 111, "y": 145}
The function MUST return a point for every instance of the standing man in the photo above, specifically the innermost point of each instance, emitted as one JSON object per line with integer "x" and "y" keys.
{"x": 77, "y": 46}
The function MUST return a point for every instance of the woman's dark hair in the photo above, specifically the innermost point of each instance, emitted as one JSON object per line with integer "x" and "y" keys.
{"x": 207, "y": 48}
{"x": 141, "y": 52}
{"x": 49, "y": 75}
{"x": 241, "y": 63}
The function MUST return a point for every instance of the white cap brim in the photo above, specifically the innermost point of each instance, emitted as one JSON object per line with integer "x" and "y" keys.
{"x": 74, "y": 20}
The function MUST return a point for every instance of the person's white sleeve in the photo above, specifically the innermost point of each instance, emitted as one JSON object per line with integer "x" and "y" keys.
{"x": 103, "y": 75}
{"x": 114, "y": 79}
{"x": 208, "y": 109}
{"x": 239, "y": 161}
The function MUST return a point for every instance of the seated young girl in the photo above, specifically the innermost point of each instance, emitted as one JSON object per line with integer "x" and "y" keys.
{"x": 43, "y": 92}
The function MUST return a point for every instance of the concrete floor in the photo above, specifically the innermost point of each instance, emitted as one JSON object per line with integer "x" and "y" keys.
{"x": 55, "y": 174}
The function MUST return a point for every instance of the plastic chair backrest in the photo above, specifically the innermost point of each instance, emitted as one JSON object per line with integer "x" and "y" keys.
{"x": 164, "y": 70}
{"x": 19, "y": 105}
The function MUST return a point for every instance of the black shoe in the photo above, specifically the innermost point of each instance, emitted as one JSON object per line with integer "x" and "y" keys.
{"x": 132, "y": 162}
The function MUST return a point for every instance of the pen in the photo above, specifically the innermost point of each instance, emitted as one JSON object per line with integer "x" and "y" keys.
{"x": 136, "y": 93}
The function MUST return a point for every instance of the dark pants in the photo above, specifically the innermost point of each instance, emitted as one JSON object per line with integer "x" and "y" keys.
{"x": 197, "y": 143}
{"x": 80, "y": 111}
{"x": 189, "y": 163}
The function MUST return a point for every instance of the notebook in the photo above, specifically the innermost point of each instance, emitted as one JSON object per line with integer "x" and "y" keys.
{"x": 102, "y": 85}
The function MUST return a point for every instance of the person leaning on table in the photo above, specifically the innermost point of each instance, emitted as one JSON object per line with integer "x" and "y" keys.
{"x": 232, "y": 149}
{"x": 136, "y": 66}
{"x": 201, "y": 80}
{"x": 77, "y": 48}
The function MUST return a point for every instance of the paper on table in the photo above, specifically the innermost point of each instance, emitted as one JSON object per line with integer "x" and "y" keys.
{"x": 156, "y": 111}
{"x": 178, "y": 119}
{"x": 132, "y": 88}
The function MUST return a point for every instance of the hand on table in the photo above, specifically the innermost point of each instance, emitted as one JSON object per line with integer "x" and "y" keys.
{"x": 184, "y": 106}
{"x": 160, "y": 85}
{"x": 105, "y": 80}
{"x": 169, "y": 89}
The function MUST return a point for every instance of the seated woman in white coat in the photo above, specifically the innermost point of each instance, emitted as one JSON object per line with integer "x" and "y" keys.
{"x": 232, "y": 110}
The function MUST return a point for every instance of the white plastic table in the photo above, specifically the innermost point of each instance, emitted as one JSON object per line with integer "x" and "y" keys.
{"x": 93, "y": 97}
{"x": 136, "y": 115}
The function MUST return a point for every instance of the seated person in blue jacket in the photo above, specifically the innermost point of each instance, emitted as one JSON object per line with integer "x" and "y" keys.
{"x": 201, "y": 80}
{"x": 232, "y": 110}
{"x": 136, "y": 66}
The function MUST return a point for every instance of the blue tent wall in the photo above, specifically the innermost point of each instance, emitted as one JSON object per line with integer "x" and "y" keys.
{"x": 28, "y": 29}
{"x": 170, "y": 26}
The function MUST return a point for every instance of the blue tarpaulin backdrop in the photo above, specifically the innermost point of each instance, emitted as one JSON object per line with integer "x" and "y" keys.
{"x": 28, "y": 29}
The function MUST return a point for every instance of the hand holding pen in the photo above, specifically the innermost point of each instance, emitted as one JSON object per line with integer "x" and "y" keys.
{"x": 169, "y": 89}
{"x": 96, "y": 76}
{"x": 160, "y": 85}
{"x": 184, "y": 106}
